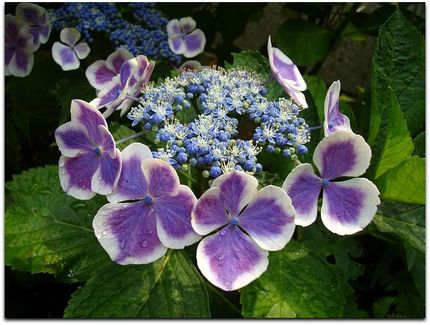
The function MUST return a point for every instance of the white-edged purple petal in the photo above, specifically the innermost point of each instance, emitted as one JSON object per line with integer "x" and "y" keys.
{"x": 349, "y": 206}
{"x": 269, "y": 218}
{"x": 76, "y": 173}
{"x": 177, "y": 44}
{"x": 230, "y": 259}
{"x": 237, "y": 190}
{"x": 99, "y": 74}
{"x": 298, "y": 97}
{"x": 333, "y": 119}
{"x": 161, "y": 177}
{"x": 190, "y": 65}
{"x": 70, "y": 36}
{"x": 115, "y": 60}
{"x": 194, "y": 43}
{"x": 109, "y": 93}
{"x": 173, "y": 28}
{"x": 72, "y": 139}
{"x": 82, "y": 50}
{"x": 127, "y": 232}
{"x": 86, "y": 114}
{"x": 174, "y": 218}
{"x": 131, "y": 184}
{"x": 208, "y": 213}
{"x": 303, "y": 187}
{"x": 187, "y": 24}
{"x": 340, "y": 154}
{"x": 107, "y": 174}
{"x": 65, "y": 57}
{"x": 36, "y": 20}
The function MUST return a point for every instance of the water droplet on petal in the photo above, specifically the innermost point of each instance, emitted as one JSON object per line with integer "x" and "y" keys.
{"x": 223, "y": 232}
{"x": 122, "y": 245}
{"x": 221, "y": 257}
{"x": 79, "y": 181}
{"x": 104, "y": 233}
{"x": 99, "y": 177}
{"x": 145, "y": 243}
{"x": 63, "y": 172}
{"x": 84, "y": 187}
{"x": 150, "y": 232}
{"x": 98, "y": 236}
{"x": 61, "y": 162}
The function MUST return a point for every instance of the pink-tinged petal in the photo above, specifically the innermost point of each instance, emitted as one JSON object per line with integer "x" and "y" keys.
{"x": 177, "y": 44}
{"x": 127, "y": 232}
{"x": 174, "y": 218}
{"x": 131, "y": 183}
{"x": 76, "y": 173}
{"x": 284, "y": 70}
{"x": 190, "y": 65}
{"x": 87, "y": 115}
{"x": 237, "y": 190}
{"x": 107, "y": 174}
{"x": 340, "y": 154}
{"x": 269, "y": 218}
{"x": 36, "y": 20}
{"x": 303, "y": 187}
{"x": 188, "y": 24}
{"x": 194, "y": 43}
{"x": 82, "y": 50}
{"x": 333, "y": 119}
{"x": 230, "y": 259}
{"x": 99, "y": 74}
{"x": 208, "y": 213}
{"x": 70, "y": 36}
{"x": 161, "y": 177}
{"x": 115, "y": 60}
{"x": 349, "y": 206}
{"x": 65, "y": 57}
{"x": 173, "y": 28}
{"x": 72, "y": 139}
{"x": 109, "y": 93}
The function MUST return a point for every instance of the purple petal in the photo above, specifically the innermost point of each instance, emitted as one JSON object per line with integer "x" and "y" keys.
{"x": 174, "y": 218}
{"x": 70, "y": 36}
{"x": 115, "y": 60}
{"x": 161, "y": 177}
{"x": 82, "y": 50}
{"x": 126, "y": 71}
{"x": 237, "y": 190}
{"x": 334, "y": 120}
{"x": 230, "y": 259}
{"x": 72, "y": 139}
{"x": 106, "y": 176}
{"x": 187, "y": 24}
{"x": 98, "y": 74}
{"x": 194, "y": 43}
{"x": 173, "y": 28}
{"x": 340, "y": 154}
{"x": 127, "y": 231}
{"x": 85, "y": 114}
{"x": 65, "y": 57}
{"x": 22, "y": 62}
{"x": 36, "y": 20}
{"x": 109, "y": 93}
{"x": 303, "y": 187}
{"x": 349, "y": 206}
{"x": 76, "y": 173}
{"x": 177, "y": 44}
{"x": 269, "y": 218}
{"x": 208, "y": 212}
{"x": 131, "y": 183}
{"x": 298, "y": 97}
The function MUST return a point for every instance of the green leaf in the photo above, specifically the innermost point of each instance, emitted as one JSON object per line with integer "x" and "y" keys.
{"x": 416, "y": 266}
{"x": 49, "y": 231}
{"x": 420, "y": 145}
{"x": 168, "y": 288}
{"x": 303, "y": 42}
{"x": 406, "y": 221}
{"x": 121, "y": 132}
{"x": 296, "y": 284}
{"x": 318, "y": 90}
{"x": 405, "y": 183}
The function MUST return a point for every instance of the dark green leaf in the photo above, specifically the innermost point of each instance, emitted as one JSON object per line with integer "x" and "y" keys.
{"x": 318, "y": 90}
{"x": 168, "y": 288}
{"x": 420, "y": 145}
{"x": 416, "y": 266}
{"x": 121, "y": 132}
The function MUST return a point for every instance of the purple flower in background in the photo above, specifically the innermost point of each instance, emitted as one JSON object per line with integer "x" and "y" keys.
{"x": 68, "y": 56}
{"x": 19, "y": 57}
{"x": 348, "y": 206}
{"x": 90, "y": 163}
{"x": 101, "y": 72}
{"x": 237, "y": 253}
{"x": 184, "y": 38}
{"x": 159, "y": 217}
{"x": 121, "y": 91}
{"x": 334, "y": 120}
{"x": 36, "y": 21}
{"x": 287, "y": 74}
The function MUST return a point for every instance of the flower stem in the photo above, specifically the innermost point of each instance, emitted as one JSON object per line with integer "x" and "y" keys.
{"x": 186, "y": 175}
{"x": 314, "y": 128}
{"x": 136, "y": 135}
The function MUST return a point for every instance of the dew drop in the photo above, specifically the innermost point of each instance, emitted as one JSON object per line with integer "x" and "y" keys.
{"x": 79, "y": 181}
{"x": 104, "y": 233}
{"x": 99, "y": 177}
{"x": 144, "y": 244}
{"x": 223, "y": 232}
{"x": 150, "y": 232}
{"x": 98, "y": 236}
{"x": 84, "y": 187}
{"x": 122, "y": 245}
{"x": 61, "y": 162}
{"x": 63, "y": 172}
{"x": 221, "y": 257}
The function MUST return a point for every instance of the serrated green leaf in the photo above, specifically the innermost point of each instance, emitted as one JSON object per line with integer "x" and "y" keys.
{"x": 296, "y": 284}
{"x": 49, "y": 231}
{"x": 168, "y": 288}
{"x": 405, "y": 183}
{"x": 406, "y": 221}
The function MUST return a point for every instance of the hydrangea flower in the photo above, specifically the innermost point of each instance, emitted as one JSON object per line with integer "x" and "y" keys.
{"x": 334, "y": 120}
{"x": 68, "y": 56}
{"x": 287, "y": 74}
{"x": 120, "y": 93}
{"x": 248, "y": 224}
{"x": 192, "y": 65}
{"x": 19, "y": 57}
{"x": 158, "y": 218}
{"x": 36, "y": 20}
{"x": 348, "y": 206}
{"x": 184, "y": 38}
{"x": 89, "y": 161}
